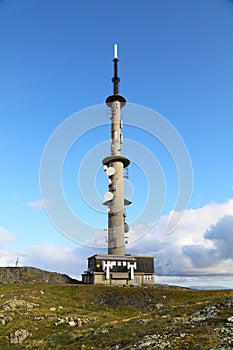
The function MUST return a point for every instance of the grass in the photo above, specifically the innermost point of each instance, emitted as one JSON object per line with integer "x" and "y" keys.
{"x": 120, "y": 316}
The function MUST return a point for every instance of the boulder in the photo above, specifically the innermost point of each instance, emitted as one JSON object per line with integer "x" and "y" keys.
{"x": 230, "y": 319}
{"x": 19, "y": 336}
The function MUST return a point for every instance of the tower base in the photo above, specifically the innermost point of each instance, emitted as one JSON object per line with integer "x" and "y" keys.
{"x": 124, "y": 270}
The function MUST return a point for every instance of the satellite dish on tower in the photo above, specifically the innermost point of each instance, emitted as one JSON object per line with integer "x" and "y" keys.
{"x": 126, "y": 228}
{"x": 108, "y": 196}
{"x": 110, "y": 171}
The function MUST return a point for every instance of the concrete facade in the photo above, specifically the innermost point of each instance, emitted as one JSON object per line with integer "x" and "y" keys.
{"x": 119, "y": 270}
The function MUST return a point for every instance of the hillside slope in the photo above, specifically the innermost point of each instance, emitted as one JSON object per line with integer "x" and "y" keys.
{"x": 32, "y": 275}
{"x": 55, "y": 316}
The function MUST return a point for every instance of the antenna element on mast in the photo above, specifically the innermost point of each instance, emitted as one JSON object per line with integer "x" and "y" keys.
{"x": 115, "y": 78}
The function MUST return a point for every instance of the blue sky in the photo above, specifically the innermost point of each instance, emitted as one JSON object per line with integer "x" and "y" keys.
{"x": 56, "y": 60}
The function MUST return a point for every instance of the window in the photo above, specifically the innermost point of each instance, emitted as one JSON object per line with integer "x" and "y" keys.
{"x": 147, "y": 277}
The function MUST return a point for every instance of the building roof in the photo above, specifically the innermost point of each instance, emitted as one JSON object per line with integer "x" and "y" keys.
{"x": 119, "y": 257}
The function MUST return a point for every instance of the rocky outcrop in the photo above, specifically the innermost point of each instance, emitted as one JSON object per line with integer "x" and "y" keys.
{"x": 25, "y": 275}
{"x": 4, "y": 319}
{"x": 19, "y": 336}
{"x": 74, "y": 321}
{"x": 171, "y": 340}
{"x": 13, "y": 304}
{"x": 157, "y": 341}
{"x": 226, "y": 337}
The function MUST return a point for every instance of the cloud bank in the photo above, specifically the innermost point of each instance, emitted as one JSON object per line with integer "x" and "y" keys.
{"x": 221, "y": 237}
{"x": 68, "y": 259}
{"x": 202, "y": 244}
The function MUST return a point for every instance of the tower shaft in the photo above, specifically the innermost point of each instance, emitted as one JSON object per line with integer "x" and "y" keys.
{"x": 116, "y": 216}
{"x": 116, "y": 128}
{"x": 114, "y": 166}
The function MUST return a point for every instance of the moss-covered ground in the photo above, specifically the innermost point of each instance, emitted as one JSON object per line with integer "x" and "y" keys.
{"x": 113, "y": 316}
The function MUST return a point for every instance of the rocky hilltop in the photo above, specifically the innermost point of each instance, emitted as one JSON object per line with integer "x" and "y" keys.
{"x": 30, "y": 275}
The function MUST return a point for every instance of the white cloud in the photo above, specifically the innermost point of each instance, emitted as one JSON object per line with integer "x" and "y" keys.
{"x": 221, "y": 237}
{"x": 201, "y": 244}
{"x": 196, "y": 246}
{"x": 38, "y": 204}
{"x": 6, "y": 235}
{"x": 68, "y": 259}
{"x": 98, "y": 240}
{"x": 7, "y": 258}
{"x": 64, "y": 259}
{"x": 188, "y": 249}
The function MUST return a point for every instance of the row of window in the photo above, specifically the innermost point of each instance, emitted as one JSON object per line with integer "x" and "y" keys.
{"x": 148, "y": 277}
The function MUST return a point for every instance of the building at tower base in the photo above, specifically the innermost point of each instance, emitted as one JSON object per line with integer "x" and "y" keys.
{"x": 124, "y": 270}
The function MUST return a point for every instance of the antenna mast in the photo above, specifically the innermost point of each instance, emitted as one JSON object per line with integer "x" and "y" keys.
{"x": 115, "y": 78}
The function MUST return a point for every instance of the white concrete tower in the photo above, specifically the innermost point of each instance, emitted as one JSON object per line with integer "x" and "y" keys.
{"x": 114, "y": 166}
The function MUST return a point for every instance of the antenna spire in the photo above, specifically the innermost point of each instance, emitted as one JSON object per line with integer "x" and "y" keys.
{"x": 115, "y": 51}
{"x": 115, "y": 78}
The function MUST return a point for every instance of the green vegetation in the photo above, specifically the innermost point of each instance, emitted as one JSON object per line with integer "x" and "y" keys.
{"x": 110, "y": 316}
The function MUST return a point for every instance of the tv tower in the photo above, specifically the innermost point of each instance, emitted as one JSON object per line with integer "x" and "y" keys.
{"x": 114, "y": 166}
{"x": 116, "y": 267}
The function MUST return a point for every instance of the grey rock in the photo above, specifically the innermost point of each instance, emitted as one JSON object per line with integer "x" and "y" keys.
{"x": 2, "y": 321}
{"x": 227, "y": 302}
{"x": 155, "y": 341}
{"x": 38, "y": 318}
{"x": 13, "y": 304}
{"x": 74, "y": 321}
{"x": 183, "y": 335}
{"x": 19, "y": 336}
{"x": 198, "y": 319}
{"x": 143, "y": 320}
{"x": 196, "y": 313}
{"x": 79, "y": 323}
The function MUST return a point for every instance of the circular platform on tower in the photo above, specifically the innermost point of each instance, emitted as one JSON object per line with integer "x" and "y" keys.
{"x": 111, "y": 159}
{"x": 113, "y": 98}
